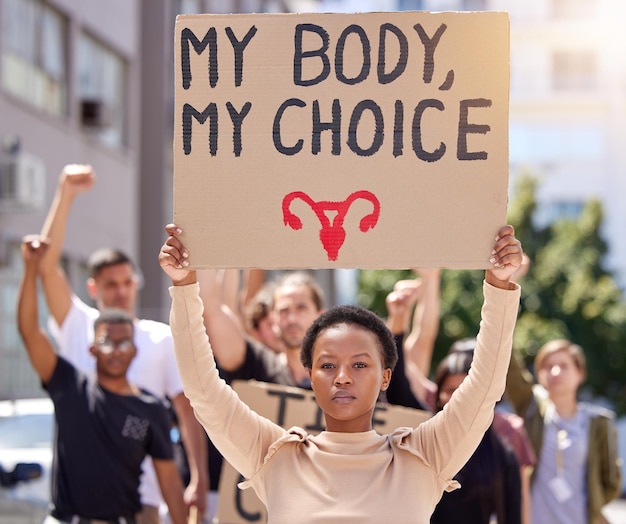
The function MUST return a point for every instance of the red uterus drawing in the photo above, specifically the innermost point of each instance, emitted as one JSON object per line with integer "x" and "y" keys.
{"x": 332, "y": 235}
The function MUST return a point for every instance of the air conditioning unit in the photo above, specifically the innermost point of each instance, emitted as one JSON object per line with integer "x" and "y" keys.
{"x": 22, "y": 183}
{"x": 94, "y": 113}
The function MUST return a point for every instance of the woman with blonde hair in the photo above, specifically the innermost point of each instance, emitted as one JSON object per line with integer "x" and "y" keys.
{"x": 578, "y": 470}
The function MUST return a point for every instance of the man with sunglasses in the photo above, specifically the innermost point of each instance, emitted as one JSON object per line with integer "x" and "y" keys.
{"x": 114, "y": 282}
{"x": 105, "y": 425}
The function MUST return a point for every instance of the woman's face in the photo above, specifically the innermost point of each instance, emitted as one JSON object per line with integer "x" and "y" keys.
{"x": 347, "y": 375}
{"x": 449, "y": 385}
{"x": 559, "y": 374}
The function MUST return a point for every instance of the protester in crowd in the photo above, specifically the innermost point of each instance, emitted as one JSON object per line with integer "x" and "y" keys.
{"x": 296, "y": 301}
{"x": 347, "y": 472}
{"x": 510, "y": 429}
{"x": 230, "y": 284}
{"x": 259, "y": 320}
{"x": 113, "y": 282}
{"x": 490, "y": 480}
{"x": 578, "y": 469}
{"x": 419, "y": 332}
{"x": 105, "y": 425}
{"x": 400, "y": 302}
{"x": 247, "y": 300}
{"x": 418, "y": 347}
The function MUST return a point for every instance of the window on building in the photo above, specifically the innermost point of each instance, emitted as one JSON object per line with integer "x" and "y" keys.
{"x": 273, "y": 6}
{"x": 34, "y": 54}
{"x": 572, "y": 9}
{"x": 474, "y": 5}
{"x": 77, "y": 271}
{"x": 102, "y": 91}
{"x": 551, "y": 142}
{"x": 17, "y": 377}
{"x": 550, "y": 212}
{"x": 189, "y": 7}
{"x": 410, "y": 5}
{"x": 574, "y": 70}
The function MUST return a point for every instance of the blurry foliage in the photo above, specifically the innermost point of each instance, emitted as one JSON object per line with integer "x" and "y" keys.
{"x": 567, "y": 293}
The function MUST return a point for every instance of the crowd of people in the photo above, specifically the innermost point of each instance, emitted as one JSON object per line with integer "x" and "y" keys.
{"x": 119, "y": 384}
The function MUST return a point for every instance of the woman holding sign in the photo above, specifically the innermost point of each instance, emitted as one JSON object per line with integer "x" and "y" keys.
{"x": 348, "y": 473}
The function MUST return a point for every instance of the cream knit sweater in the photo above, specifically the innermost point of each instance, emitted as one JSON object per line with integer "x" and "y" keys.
{"x": 346, "y": 477}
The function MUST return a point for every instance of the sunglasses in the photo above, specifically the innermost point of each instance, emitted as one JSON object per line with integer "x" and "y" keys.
{"x": 107, "y": 346}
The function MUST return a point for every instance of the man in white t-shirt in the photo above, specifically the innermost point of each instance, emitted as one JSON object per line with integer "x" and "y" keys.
{"x": 114, "y": 283}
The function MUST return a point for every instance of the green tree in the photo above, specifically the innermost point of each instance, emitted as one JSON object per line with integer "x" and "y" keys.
{"x": 567, "y": 293}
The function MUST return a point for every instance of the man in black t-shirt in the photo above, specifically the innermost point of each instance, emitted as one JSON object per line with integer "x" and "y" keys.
{"x": 105, "y": 426}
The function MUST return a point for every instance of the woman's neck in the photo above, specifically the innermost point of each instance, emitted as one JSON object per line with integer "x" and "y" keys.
{"x": 565, "y": 406}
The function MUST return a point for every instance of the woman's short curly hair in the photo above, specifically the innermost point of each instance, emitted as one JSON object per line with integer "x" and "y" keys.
{"x": 350, "y": 315}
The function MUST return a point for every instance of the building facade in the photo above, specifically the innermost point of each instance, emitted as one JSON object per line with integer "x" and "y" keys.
{"x": 88, "y": 82}
{"x": 69, "y": 92}
{"x": 92, "y": 82}
{"x": 567, "y": 102}
{"x": 568, "y": 109}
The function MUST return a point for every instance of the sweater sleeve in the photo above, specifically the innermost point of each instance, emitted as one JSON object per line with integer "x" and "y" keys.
{"x": 519, "y": 386}
{"x": 242, "y": 436}
{"x": 449, "y": 439}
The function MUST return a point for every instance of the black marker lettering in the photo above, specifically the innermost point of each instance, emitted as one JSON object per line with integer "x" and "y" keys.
{"x": 430, "y": 45}
{"x": 189, "y": 113}
{"x": 417, "y": 131}
{"x": 237, "y": 120}
{"x": 238, "y": 48}
{"x": 299, "y": 55}
{"x": 366, "y": 50}
{"x": 398, "y": 129}
{"x": 383, "y": 77}
{"x": 210, "y": 39}
{"x": 334, "y": 126}
{"x": 465, "y": 128}
{"x": 282, "y": 405}
{"x": 278, "y": 144}
{"x": 379, "y": 135}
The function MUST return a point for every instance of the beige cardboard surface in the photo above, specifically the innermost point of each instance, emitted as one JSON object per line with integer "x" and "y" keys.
{"x": 289, "y": 406}
{"x": 370, "y": 140}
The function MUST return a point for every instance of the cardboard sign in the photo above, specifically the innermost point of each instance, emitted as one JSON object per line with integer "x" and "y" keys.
{"x": 288, "y": 407}
{"x": 369, "y": 140}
